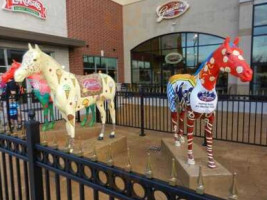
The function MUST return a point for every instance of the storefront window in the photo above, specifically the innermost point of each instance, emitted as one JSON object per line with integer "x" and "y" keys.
{"x": 149, "y": 64}
{"x": 94, "y": 64}
{"x": 2, "y": 61}
{"x": 259, "y": 52}
{"x": 16, "y": 55}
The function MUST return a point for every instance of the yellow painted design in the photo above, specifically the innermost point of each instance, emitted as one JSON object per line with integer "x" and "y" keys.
{"x": 183, "y": 77}
{"x": 85, "y": 102}
{"x": 73, "y": 82}
{"x": 106, "y": 80}
{"x": 59, "y": 75}
{"x": 67, "y": 93}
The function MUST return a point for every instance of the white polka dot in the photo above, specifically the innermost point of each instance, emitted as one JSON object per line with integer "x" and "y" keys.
{"x": 236, "y": 53}
{"x": 227, "y": 69}
{"x": 222, "y": 69}
{"x": 225, "y": 59}
{"x": 239, "y": 69}
{"x": 206, "y": 68}
{"x": 223, "y": 51}
{"x": 202, "y": 81}
{"x": 212, "y": 78}
{"x": 212, "y": 60}
{"x": 240, "y": 57}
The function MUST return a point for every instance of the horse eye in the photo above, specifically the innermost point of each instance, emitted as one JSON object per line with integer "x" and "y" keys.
{"x": 35, "y": 60}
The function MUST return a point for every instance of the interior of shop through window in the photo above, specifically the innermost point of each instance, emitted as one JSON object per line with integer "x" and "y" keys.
{"x": 150, "y": 66}
{"x": 259, "y": 53}
{"x": 94, "y": 64}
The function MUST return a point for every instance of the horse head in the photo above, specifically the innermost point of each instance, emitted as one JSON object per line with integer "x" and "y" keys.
{"x": 10, "y": 73}
{"x": 229, "y": 58}
{"x": 31, "y": 63}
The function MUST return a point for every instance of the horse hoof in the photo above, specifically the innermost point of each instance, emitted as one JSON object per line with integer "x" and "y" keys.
{"x": 191, "y": 161}
{"x": 182, "y": 140}
{"x": 111, "y": 136}
{"x": 211, "y": 165}
{"x": 100, "y": 138}
{"x": 177, "y": 143}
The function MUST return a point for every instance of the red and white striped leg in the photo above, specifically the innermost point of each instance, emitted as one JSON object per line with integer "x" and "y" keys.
{"x": 208, "y": 130}
{"x": 190, "y": 130}
{"x": 181, "y": 126}
{"x": 174, "y": 128}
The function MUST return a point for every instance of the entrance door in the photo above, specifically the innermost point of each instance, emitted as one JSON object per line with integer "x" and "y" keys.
{"x": 169, "y": 70}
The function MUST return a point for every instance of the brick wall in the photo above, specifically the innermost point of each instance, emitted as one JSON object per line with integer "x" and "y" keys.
{"x": 99, "y": 23}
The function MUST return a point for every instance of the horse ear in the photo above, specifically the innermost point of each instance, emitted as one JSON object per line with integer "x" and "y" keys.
{"x": 37, "y": 47}
{"x": 236, "y": 41}
{"x": 227, "y": 42}
{"x": 29, "y": 46}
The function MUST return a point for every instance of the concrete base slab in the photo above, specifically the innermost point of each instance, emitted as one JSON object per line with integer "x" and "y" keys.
{"x": 216, "y": 181}
{"x": 117, "y": 146}
{"x": 60, "y": 133}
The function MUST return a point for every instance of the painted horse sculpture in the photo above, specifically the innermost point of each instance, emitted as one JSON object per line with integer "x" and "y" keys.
{"x": 42, "y": 91}
{"x": 70, "y": 92}
{"x": 196, "y": 94}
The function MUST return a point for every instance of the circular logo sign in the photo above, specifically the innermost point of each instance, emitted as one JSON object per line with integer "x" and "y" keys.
{"x": 173, "y": 58}
{"x": 171, "y": 9}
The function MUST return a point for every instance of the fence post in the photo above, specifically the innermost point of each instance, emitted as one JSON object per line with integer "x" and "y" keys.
{"x": 142, "y": 133}
{"x": 33, "y": 137}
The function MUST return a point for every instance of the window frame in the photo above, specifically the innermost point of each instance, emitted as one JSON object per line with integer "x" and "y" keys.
{"x": 253, "y": 36}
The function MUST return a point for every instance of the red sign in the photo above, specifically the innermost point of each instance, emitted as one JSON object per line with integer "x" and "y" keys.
{"x": 32, "y": 7}
{"x": 92, "y": 84}
{"x": 171, "y": 9}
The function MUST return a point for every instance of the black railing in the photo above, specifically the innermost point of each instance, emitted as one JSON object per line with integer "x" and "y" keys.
{"x": 44, "y": 169}
{"x": 239, "y": 118}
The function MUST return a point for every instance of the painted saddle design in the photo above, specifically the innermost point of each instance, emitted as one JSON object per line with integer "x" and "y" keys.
{"x": 90, "y": 84}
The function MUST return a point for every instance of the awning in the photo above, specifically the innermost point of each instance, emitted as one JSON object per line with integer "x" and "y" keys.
{"x": 39, "y": 38}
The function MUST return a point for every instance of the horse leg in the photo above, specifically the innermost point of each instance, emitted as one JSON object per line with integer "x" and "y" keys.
{"x": 174, "y": 128}
{"x": 181, "y": 126}
{"x": 70, "y": 126}
{"x": 100, "y": 106}
{"x": 51, "y": 110}
{"x": 208, "y": 130}
{"x": 45, "y": 126}
{"x": 190, "y": 130}
{"x": 86, "y": 116}
{"x": 92, "y": 121}
{"x": 111, "y": 107}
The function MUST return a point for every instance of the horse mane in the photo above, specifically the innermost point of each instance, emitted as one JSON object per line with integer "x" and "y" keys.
{"x": 203, "y": 64}
{"x": 208, "y": 58}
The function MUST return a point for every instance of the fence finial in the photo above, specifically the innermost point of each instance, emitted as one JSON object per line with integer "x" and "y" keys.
{"x": 79, "y": 151}
{"x": 44, "y": 139}
{"x": 23, "y": 132}
{"x": 200, "y": 184}
{"x": 148, "y": 172}
{"x": 54, "y": 142}
{"x": 173, "y": 179}
{"x": 110, "y": 161}
{"x": 233, "y": 190}
{"x": 94, "y": 156}
{"x": 128, "y": 167}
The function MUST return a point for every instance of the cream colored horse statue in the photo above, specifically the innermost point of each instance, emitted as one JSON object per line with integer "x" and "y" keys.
{"x": 69, "y": 92}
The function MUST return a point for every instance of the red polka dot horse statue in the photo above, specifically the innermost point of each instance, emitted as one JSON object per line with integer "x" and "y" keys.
{"x": 196, "y": 94}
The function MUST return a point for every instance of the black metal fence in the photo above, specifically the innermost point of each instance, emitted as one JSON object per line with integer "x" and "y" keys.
{"x": 239, "y": 118}
{"x": 27, "y": 102}
{"x": 31, "y": 171}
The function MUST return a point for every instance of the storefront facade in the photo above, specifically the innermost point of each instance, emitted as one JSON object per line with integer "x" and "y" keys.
{"x": 193, "y": 36}
{"x": 99, "y": 24}
{"x": 39, "y": 22}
